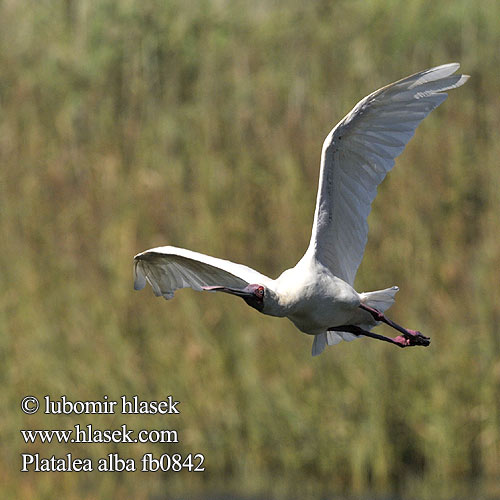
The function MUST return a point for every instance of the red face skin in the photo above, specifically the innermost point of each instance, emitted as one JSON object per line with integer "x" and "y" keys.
{"x": 253, "y": 295}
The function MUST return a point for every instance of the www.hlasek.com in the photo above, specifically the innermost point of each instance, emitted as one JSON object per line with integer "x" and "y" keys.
{"x": 88, "y": 434}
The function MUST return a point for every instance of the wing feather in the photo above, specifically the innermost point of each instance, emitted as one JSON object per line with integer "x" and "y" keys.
{"x": 169, "y": 268}
{"x": 356, "y": 156}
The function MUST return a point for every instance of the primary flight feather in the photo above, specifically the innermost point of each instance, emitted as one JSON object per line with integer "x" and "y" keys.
{"x": 317, "y": 295}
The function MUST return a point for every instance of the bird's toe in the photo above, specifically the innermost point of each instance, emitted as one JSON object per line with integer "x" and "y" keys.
{"x": 417, "y": 338}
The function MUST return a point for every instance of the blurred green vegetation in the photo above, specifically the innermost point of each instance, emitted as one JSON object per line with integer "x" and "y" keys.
{"x": 127, "y": 125}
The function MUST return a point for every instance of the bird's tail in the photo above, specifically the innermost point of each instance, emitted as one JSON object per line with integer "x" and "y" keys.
{"x": 381, "y": 299}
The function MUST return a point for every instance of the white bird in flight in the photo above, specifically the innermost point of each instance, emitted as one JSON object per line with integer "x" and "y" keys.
{"x": 317, "y": 295}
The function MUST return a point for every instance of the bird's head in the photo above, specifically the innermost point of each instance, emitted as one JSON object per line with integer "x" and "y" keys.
{"x": 253, "y": 294}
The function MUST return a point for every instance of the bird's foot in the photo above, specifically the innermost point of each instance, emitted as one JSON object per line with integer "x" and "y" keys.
{"x": 401, "y": 341}
{"x": 414, "y": 337}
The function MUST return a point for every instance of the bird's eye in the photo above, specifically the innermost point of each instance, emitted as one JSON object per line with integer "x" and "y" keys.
{"x": 260, "y": 291}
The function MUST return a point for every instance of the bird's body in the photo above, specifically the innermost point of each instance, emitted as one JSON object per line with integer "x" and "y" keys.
{"x": 317, "y": 295}
{"x": 312, "y": 297}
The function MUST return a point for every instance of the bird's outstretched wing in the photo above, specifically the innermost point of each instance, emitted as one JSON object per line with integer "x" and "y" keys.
{"x": 168, "y": 268}
{"x": 356, "y": 156}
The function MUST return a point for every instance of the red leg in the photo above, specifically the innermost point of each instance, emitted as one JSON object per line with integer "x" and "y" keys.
{"x": 415, "y": 337}
{"x": 400, "y": 341}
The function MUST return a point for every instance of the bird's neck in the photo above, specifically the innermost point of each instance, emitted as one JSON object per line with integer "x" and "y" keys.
{"x": 274, "y": 305}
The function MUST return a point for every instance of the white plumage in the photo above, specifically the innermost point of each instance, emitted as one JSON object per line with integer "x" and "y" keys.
{"x": 318, "y": 294}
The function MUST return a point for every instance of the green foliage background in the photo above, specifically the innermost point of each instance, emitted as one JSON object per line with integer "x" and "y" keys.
{"x": 132, "y": 124}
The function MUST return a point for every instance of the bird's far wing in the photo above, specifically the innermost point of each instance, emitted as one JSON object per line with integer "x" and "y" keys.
{"x": 356, "y": 156}
{"x": 168, "y": 268}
